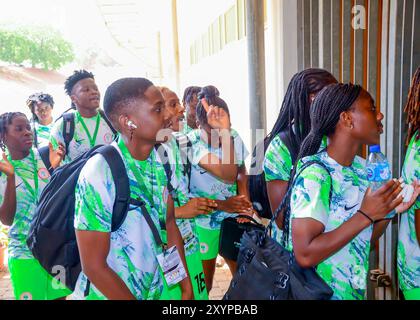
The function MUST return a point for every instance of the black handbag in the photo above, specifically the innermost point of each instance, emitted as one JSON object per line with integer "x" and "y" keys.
{"x": 268, "y": 271}
{"x": 231, "y": 232}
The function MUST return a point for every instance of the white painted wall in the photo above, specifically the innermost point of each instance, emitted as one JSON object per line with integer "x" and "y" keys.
{"x": 228, "y": 69}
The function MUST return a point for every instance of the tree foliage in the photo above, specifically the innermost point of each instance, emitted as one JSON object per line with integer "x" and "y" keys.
{"x": 39, "y": 46}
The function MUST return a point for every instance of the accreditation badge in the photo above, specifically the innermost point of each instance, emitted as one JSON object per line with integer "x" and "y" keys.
{"x": 172, "y": 267}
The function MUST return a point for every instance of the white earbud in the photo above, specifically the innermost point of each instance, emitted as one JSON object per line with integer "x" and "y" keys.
{"x": 131, "y": 124}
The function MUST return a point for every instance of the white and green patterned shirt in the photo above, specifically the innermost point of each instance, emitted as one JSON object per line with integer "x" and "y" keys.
{"x": 187, "y": 227}
{"x": 345, "y": 271}
{"x": 133, "y": 249}
{"x": 408, "y": 247}
{"x": 27, "y": 198}
{"x": 204, "y": 184}
{"x": 43, "y": 133}
{"x": 278, "y": 161}
{"x": 278, "y": 166}
{"x": 80, "y": 143}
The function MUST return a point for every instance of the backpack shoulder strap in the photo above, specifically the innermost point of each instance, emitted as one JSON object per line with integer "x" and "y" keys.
{"x": 103, "y": 116}
{"x": 66, "y": 111}
{"x": 122, "y": 187}
{"x": 168, "y": 170}
{"x": 285, "y": 204}
{"x": 68, "y": 128}
{"x": 44, "y": 153}
{"x": 315, "y": 162}
{"x": 34, "y": 131}
{"x": 152, "y": 226}
{"x": 286, "y": 198}
{"x": 166, "y": 166}
{"x": 285, "y": 137}
{"x": 305, "y": 166}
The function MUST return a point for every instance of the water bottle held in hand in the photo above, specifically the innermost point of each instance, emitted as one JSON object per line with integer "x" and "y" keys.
{"x": 378, "y": 171}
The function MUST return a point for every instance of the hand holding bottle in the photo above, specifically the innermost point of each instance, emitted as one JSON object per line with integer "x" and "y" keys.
{"x": 376, "y": 205}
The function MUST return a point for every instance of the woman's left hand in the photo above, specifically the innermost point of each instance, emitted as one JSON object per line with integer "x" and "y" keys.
{"x": 405, "y": 206}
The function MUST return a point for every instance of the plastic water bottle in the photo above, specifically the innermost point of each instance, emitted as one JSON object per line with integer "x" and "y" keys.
{"x": 378, "y": 172}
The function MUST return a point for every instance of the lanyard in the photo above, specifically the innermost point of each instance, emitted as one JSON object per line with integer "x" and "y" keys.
{"x": 137, "y": 174}
{"x": 33, "y": 191}
{"x": 92, "y": 140}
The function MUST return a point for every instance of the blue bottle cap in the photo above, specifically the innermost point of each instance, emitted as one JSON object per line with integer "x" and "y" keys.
{"x": 375, "y": 148}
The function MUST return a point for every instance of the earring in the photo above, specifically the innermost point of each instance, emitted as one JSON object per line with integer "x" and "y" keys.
{"x": 352, "y": 126}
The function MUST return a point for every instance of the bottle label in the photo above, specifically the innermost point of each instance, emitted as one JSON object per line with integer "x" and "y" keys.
{"x": 378, "y": 172}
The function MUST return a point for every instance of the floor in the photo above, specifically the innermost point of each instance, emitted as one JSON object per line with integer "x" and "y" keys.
{"x": 6, "y": 292}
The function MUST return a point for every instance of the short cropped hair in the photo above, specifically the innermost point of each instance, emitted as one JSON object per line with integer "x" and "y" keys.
{"x": 121, "y": 93}
{"x": 75, "y": 78}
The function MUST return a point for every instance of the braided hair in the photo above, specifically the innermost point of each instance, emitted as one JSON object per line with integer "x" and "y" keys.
{"x": 294, "y": 122}
{"x": 5, "y": 120}
{"x": 189, "y": 94}
{"x": 412, "y": 108}
{"x": 324, "y": 115}
{"x": 294, "y": 112}
{"x": 211, "y": 94}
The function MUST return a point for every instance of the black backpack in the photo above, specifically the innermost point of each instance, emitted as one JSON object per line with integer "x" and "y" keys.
{"x": 68, "y": 134}
{"x": 52, "y": 238}
{"x": 257, "y": 185}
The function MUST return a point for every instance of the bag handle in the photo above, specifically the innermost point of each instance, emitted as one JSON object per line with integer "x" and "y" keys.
{"x": 249, "y": 218}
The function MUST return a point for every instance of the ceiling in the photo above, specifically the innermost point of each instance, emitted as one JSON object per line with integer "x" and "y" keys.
{"x": 129, "y": 23}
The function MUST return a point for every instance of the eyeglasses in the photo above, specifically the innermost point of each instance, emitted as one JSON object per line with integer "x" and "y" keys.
{"x": 39, "y": 97}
